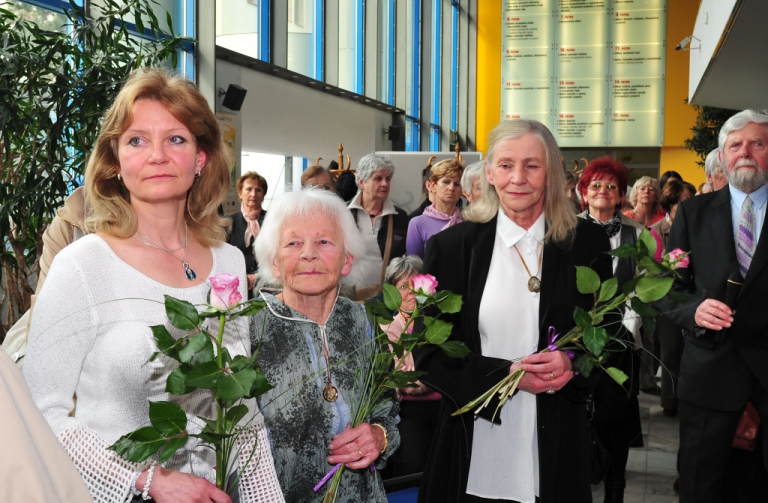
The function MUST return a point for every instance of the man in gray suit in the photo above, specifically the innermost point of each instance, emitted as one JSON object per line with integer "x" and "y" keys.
{"x": 725, "y": 360}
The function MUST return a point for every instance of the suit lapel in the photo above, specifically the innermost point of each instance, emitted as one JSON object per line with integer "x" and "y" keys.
{"x": 481, "y": 252}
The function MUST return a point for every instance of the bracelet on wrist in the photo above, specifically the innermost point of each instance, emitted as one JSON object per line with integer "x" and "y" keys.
{"x": 145, "y": 494}
{"x": 386, "y": 438}
{"x": 135, "y": 478}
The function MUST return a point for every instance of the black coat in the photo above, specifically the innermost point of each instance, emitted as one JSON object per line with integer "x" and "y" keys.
{"x": 719, "y": 375}
{"x": 460, "y": 257}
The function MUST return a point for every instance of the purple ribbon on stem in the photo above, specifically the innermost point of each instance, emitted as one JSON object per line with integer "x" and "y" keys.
{"x": 330, "y": 474}
{"x": 551, "y": 338}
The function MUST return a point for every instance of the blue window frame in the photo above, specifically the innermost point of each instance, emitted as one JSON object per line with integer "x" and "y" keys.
{"x": 265, "y": 50}
{"x": 454, "y": 65}
{"x": 412, "y": 138}
{"x": 413, "y": 77}
{"x": 437, "y": 38}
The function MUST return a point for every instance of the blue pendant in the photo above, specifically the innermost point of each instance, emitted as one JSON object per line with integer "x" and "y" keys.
{"x": 188, "y": 272}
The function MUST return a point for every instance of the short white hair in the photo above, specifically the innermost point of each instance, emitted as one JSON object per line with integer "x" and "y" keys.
{"x": 470, "y": 175}
{"x": 304, "y": 203}
{"x": 712, "y": 163}
{"x": 740, "y": 121}
{"x": 370, "y": 164}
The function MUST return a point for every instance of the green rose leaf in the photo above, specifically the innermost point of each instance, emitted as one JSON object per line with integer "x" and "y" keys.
{"x": 608, "y": 289}
{"x": 392, "y": 297}
{"x": 440, "y": 296}
{"x": 251, "y": 307}
{"x": 650, "y": 265}
{"x": 587, "y": 280}
{"x": 234, "y": 415}
{"x": 211, "y": 437}
{"x": 176, "y": 384}
{"x": 408, "y": 340}
{"x": 584, "y": 364}
{"x": 140, "y": 444}
{"x": 582, "y": 318}
{"x": 194, "y": 344}
{"x": 165, "y": 341}
{"x": 652, "y": 289}
{"x": 649, "y": 328}
{"x": 650, "y": 242}
{"x": 260, "y": 386}
{"x": 438, "y": 332}
{"x": 377, "y": 310}
{"x": 451, "y": 304}
{"x": 630, "y": 285}
{"x": 240, "y": 362}
{"x": 595, "y": 339}
{"x": 183, "y": 315}
{"x": 623, "y": 251}
{"x": 237, "y": 385}
{"x": 168, "y": 418}
{"x": 642, "y": 308}
{"x": 206, "y": 354}
{"x": 456, "y": 349}
{"x": 204, "y": 375}
{"x": 173, "y": 445}
{"x": 397, "y": 349}
{"x": 616, "y": 374}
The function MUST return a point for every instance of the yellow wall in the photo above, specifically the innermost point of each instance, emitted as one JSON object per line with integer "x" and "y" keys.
{"x": 678, "y": 117}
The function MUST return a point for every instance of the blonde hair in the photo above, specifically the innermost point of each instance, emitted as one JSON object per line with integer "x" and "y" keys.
{"x": 644, "y": 181}
{"x": 558, "y": 210}
{"x": 446, "y": 167}
{"x": 108, "y": 207}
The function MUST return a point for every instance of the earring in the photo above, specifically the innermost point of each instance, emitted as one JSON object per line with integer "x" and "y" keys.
{"x": 119, "y": 178}
{"x": 197, "y": 174}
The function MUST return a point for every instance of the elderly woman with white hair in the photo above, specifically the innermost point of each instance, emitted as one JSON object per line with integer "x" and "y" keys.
{"x": 471, "y": 185}
{"x": 311, "y": 345}
{"x": 383, "y": 225}
{"x": 513, "y": 263}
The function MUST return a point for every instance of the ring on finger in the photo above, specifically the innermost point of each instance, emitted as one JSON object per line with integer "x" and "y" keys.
{"x": 550, "y": 391}
{"x": 360, "y": 452}
{"x": 551, "y": 376}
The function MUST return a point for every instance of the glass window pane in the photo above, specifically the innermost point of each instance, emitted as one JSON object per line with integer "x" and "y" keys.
{"x": 351, "y": 45}
{"x": 385, "y": 52}
{"x": 304, "y": 37}
{"x": 412, "y": 143}
{"x": 238, "y": 26}
{"x": 412, "y": 57}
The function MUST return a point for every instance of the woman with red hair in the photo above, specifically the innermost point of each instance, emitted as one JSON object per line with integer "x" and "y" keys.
{"x": 617, "y": 411}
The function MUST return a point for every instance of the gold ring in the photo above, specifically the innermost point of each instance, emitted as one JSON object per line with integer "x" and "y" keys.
{"x": 551, "y": 376}
{"x": 550, "y": 391}
{"x": 360, "y": 452}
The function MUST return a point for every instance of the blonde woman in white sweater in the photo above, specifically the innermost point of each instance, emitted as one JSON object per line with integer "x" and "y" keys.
{"x": 154, "y": 181}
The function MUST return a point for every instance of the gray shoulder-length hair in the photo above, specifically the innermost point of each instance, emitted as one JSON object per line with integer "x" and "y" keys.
{"x": 303, "y": 204}
{"x": 370, "y": 164}
{"x": 402, "y": 267}
{"x": 471, "y": 173}
{"x": 558, "y": 210}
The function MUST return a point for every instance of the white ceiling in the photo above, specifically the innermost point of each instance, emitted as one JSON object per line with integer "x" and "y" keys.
{"x": 736, "y": 76}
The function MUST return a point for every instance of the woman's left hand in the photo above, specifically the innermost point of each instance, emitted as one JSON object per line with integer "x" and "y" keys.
{"x": 356, "y": 447}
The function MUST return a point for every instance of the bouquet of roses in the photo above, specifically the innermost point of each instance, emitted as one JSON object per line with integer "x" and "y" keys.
{"x": 203, "y": 364}
{"x": 383, "y": 373}
{"x": 653, "y": 281}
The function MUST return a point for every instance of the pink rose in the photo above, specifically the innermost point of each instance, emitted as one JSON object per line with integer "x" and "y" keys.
{"x": 679, "y": 259}
{"x": 224, "y": 294}
{"x": 424, "y": 284}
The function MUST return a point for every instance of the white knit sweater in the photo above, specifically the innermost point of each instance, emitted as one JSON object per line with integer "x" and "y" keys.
{"x": 90, "y": 336}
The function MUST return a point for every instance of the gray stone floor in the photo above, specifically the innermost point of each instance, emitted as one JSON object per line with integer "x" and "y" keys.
{"x": 651, "y": 470}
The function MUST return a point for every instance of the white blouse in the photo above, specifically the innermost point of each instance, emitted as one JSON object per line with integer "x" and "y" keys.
{"x": 505, "y": 458}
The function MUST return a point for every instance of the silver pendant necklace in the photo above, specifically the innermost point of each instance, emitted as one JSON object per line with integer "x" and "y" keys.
{"x": 146, "y": 240}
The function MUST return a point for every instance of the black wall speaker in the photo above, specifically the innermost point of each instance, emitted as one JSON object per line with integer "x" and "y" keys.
{"x": 234, "y": 97}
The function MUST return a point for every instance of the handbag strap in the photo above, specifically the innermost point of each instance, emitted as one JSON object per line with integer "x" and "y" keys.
{"x": 387, "y": 248}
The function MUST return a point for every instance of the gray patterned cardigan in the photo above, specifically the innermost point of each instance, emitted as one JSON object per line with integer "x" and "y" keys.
{"x": 300, "y": 423}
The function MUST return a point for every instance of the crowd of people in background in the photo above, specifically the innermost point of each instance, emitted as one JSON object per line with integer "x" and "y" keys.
{"x": 505, "y": 233}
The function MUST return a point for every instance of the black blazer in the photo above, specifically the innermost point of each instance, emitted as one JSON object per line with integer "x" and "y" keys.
{"x": 237, "y": 238}
{"x": 719, "y": 375}
{"x": 460, "y": 257}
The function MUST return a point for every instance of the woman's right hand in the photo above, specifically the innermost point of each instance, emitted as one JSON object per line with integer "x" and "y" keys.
{"x": 171, "y": 486}
{"x": 544, "y": 371}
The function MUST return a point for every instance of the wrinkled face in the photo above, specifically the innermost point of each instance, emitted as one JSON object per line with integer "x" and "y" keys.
{"x": 746, "y": 157}
{"x": 376, "y": 188}
{"x": 477, "y": 190}
{"x": 252, "y": 195}
{"x": 518, "y": 173}
{"x": 404, "y": 286}
{"x": 158, "y": 155}
{"x": 646, "y": 194}
{"x": 448, "y": 189}
{"x": 310, "y": 256}
{"x": 321, "y": 181}
{"x": 602, "y": 194}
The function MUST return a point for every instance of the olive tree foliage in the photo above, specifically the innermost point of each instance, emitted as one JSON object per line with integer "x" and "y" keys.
{"x": 54, "y": 88}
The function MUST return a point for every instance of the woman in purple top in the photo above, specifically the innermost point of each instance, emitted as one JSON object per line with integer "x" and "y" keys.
{"x": 443, "y": 213}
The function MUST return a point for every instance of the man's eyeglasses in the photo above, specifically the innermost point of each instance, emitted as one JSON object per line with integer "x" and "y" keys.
{"x": 608, "y": 186}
